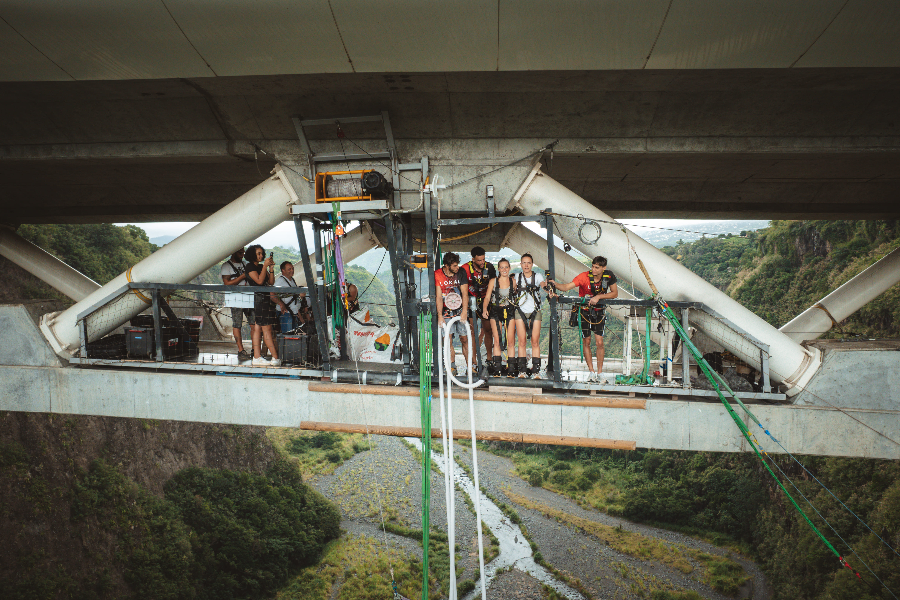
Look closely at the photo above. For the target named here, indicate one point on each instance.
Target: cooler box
(297, 349)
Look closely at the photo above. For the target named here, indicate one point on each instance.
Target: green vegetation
(101, 251)
(216, 534)
(780, 271)
(317, 452)
(360, 567)
(254, 530)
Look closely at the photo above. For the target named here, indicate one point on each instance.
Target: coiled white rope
(445, 349)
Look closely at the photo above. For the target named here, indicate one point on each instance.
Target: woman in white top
(528, 316)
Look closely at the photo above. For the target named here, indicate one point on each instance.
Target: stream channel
(515, 551)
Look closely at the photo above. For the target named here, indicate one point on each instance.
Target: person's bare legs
(495, 338)
(601, 351)
(255, 338)
(487, 333)
(536, 340)
(521, 334)
(236, 331)
(588, 356)
(270, 341)
(464, 346)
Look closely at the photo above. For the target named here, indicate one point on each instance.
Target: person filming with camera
(261, 272)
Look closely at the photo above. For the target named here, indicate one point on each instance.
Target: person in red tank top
(452, 300)
(597, 284)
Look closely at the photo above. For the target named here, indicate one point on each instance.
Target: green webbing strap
(707, 370)
(425, 359)
(644, 377)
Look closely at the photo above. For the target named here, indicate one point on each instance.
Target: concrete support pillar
(45, 266)
(179, 261)
(846, 300)
(790, 363)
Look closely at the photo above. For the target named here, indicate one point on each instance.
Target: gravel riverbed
(387, 481)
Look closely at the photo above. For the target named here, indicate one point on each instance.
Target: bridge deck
(33, 379)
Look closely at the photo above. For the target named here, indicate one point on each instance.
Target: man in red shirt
(452, 300)
(598, 284)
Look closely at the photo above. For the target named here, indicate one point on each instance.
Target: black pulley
(376, 185)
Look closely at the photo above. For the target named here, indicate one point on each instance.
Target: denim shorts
(459, 329)
(238, 314)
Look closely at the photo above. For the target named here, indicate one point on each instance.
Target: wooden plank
(498, 397)
(390, 390)
(604, 402)
(562, 440)
(465, 434)
(352, 388)
(372, 429)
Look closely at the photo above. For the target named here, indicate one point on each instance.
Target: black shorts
(264, 309)
(592, 321)
(503, 315)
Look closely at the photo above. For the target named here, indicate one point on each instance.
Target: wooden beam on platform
(464, 434)
(390, 390)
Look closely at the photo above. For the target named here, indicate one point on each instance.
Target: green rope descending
(708, 372)
(425, 359)
(644, 378)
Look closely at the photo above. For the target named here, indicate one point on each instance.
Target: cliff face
(44, 548)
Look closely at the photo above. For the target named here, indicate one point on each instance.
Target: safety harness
(584, 311)
(478, 283)
(524, 287)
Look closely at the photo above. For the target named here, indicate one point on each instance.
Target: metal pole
(409, 295)
(431, 263)
(685, 355)
(312, 285)
(395, 268)
(553, 348)
(323, 292)
(157, 328)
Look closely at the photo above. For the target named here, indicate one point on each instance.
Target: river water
(515, 551)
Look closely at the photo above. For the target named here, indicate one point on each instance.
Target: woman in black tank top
(501, 293)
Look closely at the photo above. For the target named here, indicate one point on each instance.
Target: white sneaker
(592, 377)
(260, 362)
(275, 362)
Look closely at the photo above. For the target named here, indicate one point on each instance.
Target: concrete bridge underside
(717, 143)
(35, 380)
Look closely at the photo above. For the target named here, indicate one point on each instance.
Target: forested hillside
(780, 271)
(100, 507)
(777, 272)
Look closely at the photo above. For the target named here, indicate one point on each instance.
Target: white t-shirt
(292, 302)
(526, 301)
(232, 269)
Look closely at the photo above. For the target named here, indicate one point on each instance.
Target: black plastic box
(297, 349)
(140, 342)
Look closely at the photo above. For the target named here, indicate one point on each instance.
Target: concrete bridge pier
(179, 261)
(789, 363)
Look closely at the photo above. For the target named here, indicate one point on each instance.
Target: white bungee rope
(445, 349)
